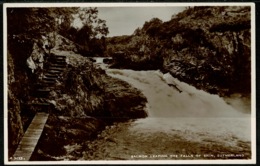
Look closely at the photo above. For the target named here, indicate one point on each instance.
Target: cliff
(83, 101)
(18, 91)
(15, 126)
(208, 47)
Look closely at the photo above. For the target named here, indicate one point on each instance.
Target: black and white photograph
(129, 83)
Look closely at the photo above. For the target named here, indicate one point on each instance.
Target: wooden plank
(59, 59)
(48, 82)
(43, 90)
(54, 71)
(50, 76)
(59, 62)
(40, 104)
(49, 79)
(30, 138)
(57, 68)
(61, 56)
(55, 65)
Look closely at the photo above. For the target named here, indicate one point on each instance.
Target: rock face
(214, 55)
(122, 101)
(36, 59)
(18, 90)
(15, 127)
(61, 132)
(208, 47)
(88, 91)
(86, 101)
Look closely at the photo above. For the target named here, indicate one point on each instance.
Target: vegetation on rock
(37, 33)
(87, 101)
(208, 47)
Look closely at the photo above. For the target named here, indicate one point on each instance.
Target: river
(182, 123)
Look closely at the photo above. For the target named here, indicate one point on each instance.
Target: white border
(253, 83)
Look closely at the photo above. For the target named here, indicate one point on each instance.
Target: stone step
(49, 79)
(59, 56)
(59, 62)
(63, 63)
(56, 68)
(43, 90)
(41, 93)
(54, 71)
(48, 82)
(40, 104)
(59, 59)
(51, 75)
(38, 86)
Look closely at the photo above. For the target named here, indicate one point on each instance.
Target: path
(56, 66)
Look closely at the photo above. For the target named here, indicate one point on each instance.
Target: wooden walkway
(33, 133)
(30, 138)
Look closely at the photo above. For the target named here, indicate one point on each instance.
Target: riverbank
(199, 46)
(86, 102)
(190, 125)
(168, 139)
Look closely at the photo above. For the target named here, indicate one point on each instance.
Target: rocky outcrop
(87, 91)
(122, 101)
(15, 126)
(207, 47)
(18, 90)
(83, 100)
(86, 102)
(36, 59)
(213, 52)
(65, 137)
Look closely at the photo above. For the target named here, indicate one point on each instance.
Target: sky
(124, 20)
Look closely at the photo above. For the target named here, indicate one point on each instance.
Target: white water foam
(198, 114)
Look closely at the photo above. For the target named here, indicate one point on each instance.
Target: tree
(31, 23)
(89, 17)
(137, 32)
(90, 35)
(152, 27)
(25, 26)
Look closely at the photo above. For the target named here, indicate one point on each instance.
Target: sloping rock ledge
(85, 102)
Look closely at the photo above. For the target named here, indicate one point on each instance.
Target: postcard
(129, 83)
